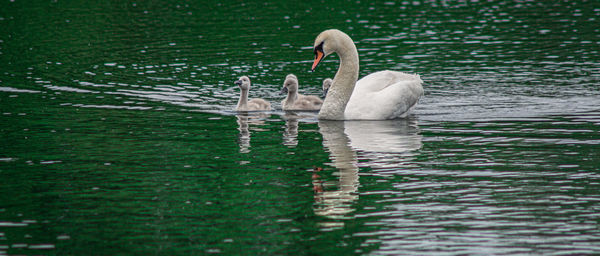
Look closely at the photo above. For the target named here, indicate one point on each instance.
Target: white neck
(344, 81)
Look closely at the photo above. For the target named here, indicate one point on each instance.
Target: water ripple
(122, 113)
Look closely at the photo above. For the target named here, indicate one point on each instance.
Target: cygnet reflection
(292, 118)
(243, 120)
(290, 134)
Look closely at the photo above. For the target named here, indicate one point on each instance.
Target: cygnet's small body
(326, 84)
(245, 104)
(295, 100)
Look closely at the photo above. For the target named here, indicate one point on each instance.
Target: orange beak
(318, 57)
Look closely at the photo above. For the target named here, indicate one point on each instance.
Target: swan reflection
(389, 136)
(337, 203)
(243, 120)
(346, 141)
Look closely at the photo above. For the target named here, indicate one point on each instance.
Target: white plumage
(377, 96)
(384, 95)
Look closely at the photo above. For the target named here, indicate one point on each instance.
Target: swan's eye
(319, 48)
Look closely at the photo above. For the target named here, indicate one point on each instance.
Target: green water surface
(118, 135)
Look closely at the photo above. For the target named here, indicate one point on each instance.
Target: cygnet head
(326, 84)
(290, 84)
(243, 83)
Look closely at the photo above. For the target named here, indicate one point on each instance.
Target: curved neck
(243, 101)
(343, 83)
(290, 98)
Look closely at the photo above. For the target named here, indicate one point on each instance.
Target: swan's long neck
(343, 83)
(243, 101)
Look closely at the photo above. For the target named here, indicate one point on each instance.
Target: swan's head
(328, 42)
(290, 84)
(326, 84)
(243, 83)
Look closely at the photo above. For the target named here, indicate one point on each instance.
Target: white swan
(295, 100)
(249, 105)
(326, 84)
(377, 96)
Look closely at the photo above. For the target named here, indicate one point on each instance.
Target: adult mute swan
(249, 105)
(377, 96)
(295, 100)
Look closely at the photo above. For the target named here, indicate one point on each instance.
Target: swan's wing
(405, 95)
(378, 81)
(384, 95)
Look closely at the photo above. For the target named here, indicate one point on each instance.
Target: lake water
(118, 135)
